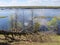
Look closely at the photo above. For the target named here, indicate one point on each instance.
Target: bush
(36, 27)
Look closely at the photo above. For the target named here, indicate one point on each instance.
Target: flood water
(25, 15)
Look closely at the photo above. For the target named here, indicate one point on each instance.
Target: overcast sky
(29, 2)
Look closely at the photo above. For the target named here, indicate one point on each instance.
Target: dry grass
(36, 39)
(55, 41)
(35, 43)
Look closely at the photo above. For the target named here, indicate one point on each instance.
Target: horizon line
(31, 7)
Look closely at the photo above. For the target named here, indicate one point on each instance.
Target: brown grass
(35, 39)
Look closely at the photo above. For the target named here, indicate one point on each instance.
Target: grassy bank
(55, 38)
(35, 39)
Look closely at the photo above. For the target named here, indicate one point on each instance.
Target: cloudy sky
(29, 2)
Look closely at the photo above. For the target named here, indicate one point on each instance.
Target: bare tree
(16, 19)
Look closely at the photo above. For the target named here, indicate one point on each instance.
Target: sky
(29, 2)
